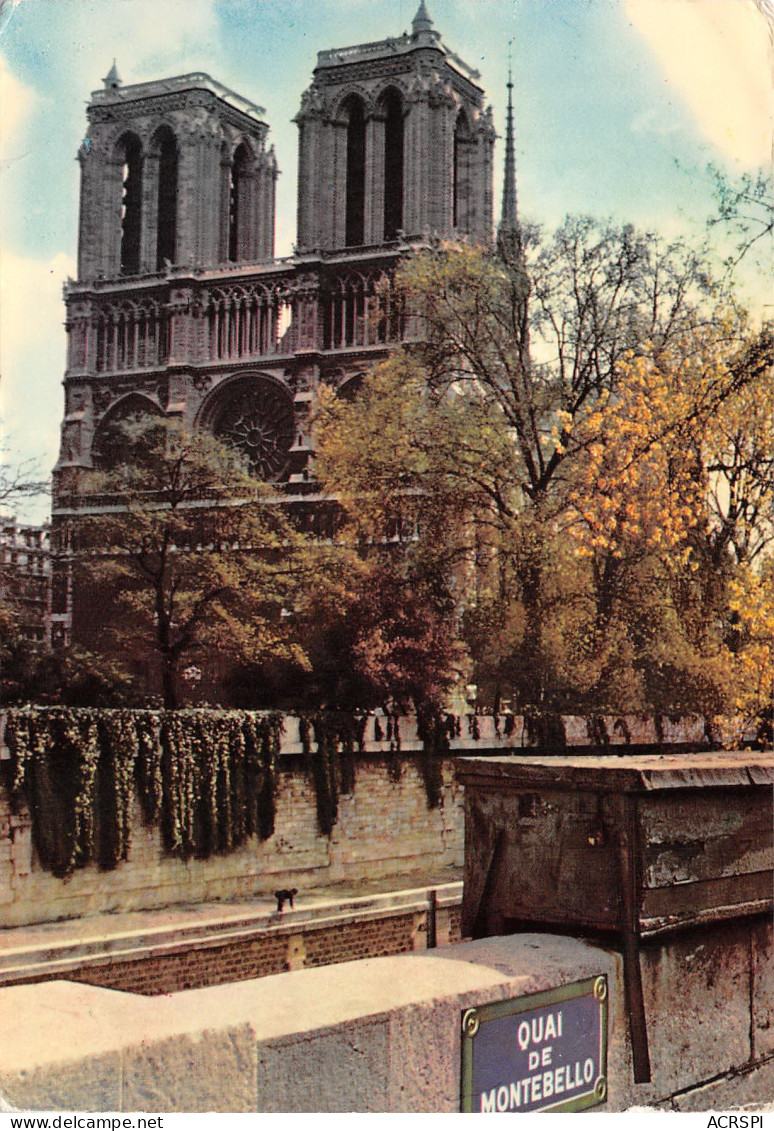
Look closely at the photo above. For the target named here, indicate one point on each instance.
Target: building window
(393, 165)
(237, 202)
(354, 231)
(461, 174)
(255, 416)
(131, 205)
(166, 228)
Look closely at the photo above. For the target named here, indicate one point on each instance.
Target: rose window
(257, 419)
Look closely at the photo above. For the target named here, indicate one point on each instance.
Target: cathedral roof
(423, 35)
(115, 93)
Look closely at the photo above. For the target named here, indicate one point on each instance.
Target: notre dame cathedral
(180, 308)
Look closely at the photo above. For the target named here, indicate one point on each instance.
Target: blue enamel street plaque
(543, 1052)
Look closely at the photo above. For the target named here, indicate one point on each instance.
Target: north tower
(394, 141)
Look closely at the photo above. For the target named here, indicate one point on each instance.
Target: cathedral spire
(112, 79)
(421, 21)
(509, 217)
(422, 30)
(508, 234)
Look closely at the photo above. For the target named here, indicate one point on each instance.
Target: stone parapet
(480, 734)
(379, 1035)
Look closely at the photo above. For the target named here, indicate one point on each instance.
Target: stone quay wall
(384, 827)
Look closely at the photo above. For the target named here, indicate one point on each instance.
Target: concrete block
(61, 1045)
(425, 1052)
(747, 1090)
(762, 937)
(697, 1003)
(58, 1022)
(331, 1071)
(92, 1084)
(212, 1071)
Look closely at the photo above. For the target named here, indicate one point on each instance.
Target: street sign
(542, 1052)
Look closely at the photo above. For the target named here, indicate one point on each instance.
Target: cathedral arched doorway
(123, 434)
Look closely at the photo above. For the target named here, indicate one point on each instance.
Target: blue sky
(619, 104)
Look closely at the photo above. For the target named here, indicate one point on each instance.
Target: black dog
(283, 896)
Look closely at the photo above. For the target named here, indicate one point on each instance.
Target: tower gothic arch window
(238, 207)
(166, 216)
(354, 227)
(130, 156)
(392, 105)
(461, 173)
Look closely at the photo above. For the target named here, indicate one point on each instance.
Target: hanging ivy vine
(434, 731)
(208, 778)
(116, 757)
(147, 767)
(331, 767)
(54, 767)
(262, 743)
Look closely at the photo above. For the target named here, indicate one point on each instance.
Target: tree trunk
(533, 672)
(169, 682)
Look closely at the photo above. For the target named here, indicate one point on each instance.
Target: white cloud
(148, 38)
(32, 354)
(656, 124)
(717, 55)
(16, 102)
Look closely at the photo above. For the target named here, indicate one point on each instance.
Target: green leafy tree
(198, 558)
(393, 643)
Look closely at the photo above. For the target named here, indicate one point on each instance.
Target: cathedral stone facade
(181, 310)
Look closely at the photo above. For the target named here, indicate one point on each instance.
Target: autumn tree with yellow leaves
(670, 491)
(563, 437)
